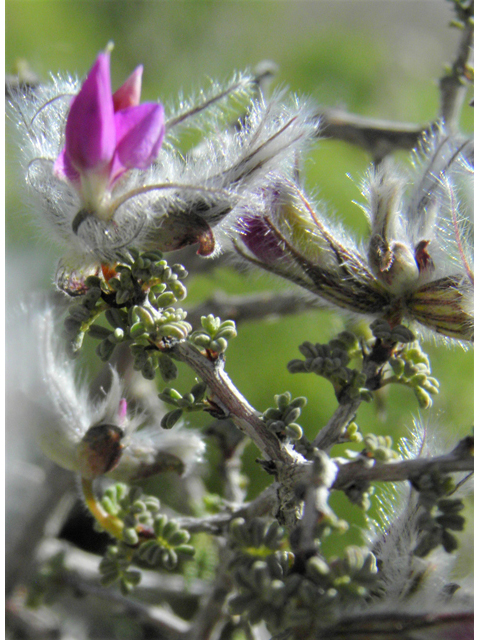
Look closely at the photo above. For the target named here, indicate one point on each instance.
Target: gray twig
(226, 399)
(453, 86)
(54, 486)
(460, 459)
(264, 504)
(359, 471)
(257, 306)
(166, 623)
(154, 586)
(378, 137)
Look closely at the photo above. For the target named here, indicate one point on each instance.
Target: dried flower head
(417, 263)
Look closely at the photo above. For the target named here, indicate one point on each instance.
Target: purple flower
(261, 240)
(106, 135)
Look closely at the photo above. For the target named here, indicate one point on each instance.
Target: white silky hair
(384, 189)
(395, 534)
(212, 179)
(427, 203)
(411, 584)
(439, 203)
(70, 412)
(228, 169)
(66, 397)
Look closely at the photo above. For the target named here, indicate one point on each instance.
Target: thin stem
(310, 518)
(211, 612)
(390, 380)
(111, 524)
(79, 573)
(378, 626)
(154, 586)
(47, 495)
(49, 102)
(116, 204)
(333, 431)
(257, 306)
(263, 504)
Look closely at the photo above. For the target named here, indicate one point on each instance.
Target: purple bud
(259, 238)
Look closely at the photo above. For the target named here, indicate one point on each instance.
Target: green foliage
(411, 367)
(214, 334)
(380, 448)
(191, 401)
(464, 10)
(115, 567)
(148, 537)
(170, 541)
(133, 508)
(439, 515)
(136, 303)
(382, 330)
(272, 584)
(305, 595)
(330, 361)
(281, 419)
(47, 583)
(256, 537)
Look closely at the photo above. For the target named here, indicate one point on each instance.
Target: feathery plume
(417, 264)
(102, 437)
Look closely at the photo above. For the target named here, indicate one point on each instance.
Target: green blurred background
(380, 59)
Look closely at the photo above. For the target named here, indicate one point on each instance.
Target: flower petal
(140, 132)
(90, 128)
(128, 95)
(260, 239)
(63, 168)
(122, 411)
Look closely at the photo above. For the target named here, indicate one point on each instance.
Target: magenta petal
(140, 133)
(90, 129)
(64, 169)
(128, 95)
(261, 240)
(122, 411)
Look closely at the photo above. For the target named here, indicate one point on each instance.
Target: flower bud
(100, 450)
